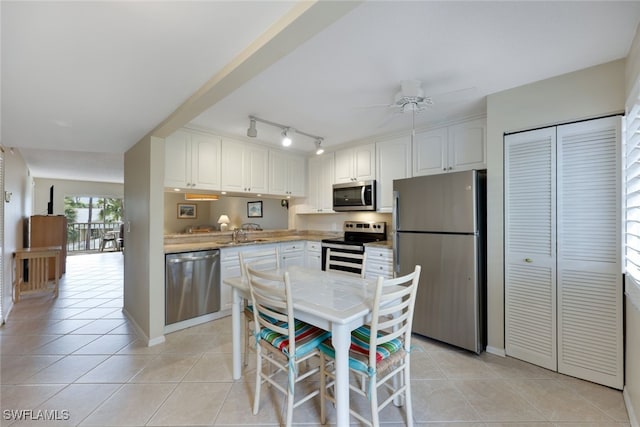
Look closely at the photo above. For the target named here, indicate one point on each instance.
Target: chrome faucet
(239, 235)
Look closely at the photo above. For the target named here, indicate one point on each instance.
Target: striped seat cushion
(359, 350)
(307, 338)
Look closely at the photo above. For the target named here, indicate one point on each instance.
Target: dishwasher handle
(193, 258)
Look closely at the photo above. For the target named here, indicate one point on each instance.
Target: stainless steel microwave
(354, 196)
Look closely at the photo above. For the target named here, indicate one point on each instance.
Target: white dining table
(332, 301)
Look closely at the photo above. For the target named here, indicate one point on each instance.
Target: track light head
(252, 131)
(286, 137)
(319, 149)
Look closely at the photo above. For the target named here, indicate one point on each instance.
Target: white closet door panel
(590, 327)
(590, 251)
(531, 320)
(530, 241)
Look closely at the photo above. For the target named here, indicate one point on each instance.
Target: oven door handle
(345, 247)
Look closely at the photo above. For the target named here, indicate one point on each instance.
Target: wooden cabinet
(563, 249)
(379, 262)
(450, 149)
(320, 190)
(287, 174)
(46, 231)
(244, 167)
(192, 161)
(393, 162)
(355, 164)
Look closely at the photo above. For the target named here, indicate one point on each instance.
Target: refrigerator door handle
(394, 231)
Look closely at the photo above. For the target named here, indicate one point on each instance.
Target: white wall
(583, 94)
(63, 188)
(18, 182)
(334, 222)
(144, 255)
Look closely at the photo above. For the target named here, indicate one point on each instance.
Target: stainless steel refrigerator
(439, 222)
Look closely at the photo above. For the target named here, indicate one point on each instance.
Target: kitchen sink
(246, 242)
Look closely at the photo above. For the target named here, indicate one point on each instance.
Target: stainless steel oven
(356, 234)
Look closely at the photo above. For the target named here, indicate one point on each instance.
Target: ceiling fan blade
(389, 119)
(454, 96)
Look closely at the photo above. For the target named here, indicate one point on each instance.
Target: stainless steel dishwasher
(192, 285)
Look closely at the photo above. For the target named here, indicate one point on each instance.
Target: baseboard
(633, 419)
(140, 333)
(497, 351)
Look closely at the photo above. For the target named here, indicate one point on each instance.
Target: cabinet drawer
(292, 247)
(314, 246)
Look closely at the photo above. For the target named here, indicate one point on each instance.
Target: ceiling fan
(411, 98)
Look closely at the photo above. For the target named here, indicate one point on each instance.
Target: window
(632, 197)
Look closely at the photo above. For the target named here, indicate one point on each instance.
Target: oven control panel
(365, 227)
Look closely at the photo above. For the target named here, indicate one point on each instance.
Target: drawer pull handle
(529, 260)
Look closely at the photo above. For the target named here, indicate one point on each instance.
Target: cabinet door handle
(529, 260)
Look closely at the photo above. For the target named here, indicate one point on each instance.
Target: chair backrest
(270, 256)
(272, 299)
(346, 263)
(393, 305)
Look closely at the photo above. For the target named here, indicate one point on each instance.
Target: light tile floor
(77, 358)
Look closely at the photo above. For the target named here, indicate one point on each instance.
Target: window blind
(632, 199)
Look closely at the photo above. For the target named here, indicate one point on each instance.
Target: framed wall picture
(254, 209)
(187, 210)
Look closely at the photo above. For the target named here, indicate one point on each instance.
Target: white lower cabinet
(292, 253)
(314, 255)
(230, 267)
(379, 262)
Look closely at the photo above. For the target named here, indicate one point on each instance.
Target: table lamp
(223, 221)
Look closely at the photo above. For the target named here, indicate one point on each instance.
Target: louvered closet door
(590, 340)
(530, 241)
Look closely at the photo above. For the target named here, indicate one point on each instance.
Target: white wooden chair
(380, 351)
(282, 341)
(269, 259)
(339, 261)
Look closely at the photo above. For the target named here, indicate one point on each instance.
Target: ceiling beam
(302, 22)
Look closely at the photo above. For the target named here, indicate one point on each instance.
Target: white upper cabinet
(287, 174)
(450, 149)
(320, 192)
(468, 145)
(393, 162)
(192, 161)
(355, 164)
(244, 167)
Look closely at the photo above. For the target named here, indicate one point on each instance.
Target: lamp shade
(223, 221)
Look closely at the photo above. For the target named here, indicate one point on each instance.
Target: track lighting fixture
(287, 133)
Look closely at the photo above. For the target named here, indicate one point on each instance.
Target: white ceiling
(83, 82)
